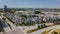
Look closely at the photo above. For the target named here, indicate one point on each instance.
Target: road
(48, 28)
(15, 29)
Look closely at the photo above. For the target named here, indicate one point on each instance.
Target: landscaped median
(33, 30)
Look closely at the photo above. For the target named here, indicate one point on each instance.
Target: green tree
(37, 12)
(39, 27)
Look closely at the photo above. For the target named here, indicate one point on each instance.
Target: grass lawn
(57, 31)
(50, 24)
(32, 30)
(46, 32)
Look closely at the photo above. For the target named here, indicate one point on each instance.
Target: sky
(30, 3)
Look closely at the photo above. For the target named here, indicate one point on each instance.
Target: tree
(37, 12)
(44, 25)
(39, 27)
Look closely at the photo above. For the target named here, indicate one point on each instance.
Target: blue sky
(30, 3)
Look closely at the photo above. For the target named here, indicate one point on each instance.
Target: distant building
(5, 8)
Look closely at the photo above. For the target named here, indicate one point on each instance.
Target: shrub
(55, 32)
(41, 26)
(44, 25)
(3, 19)
(9, 25)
